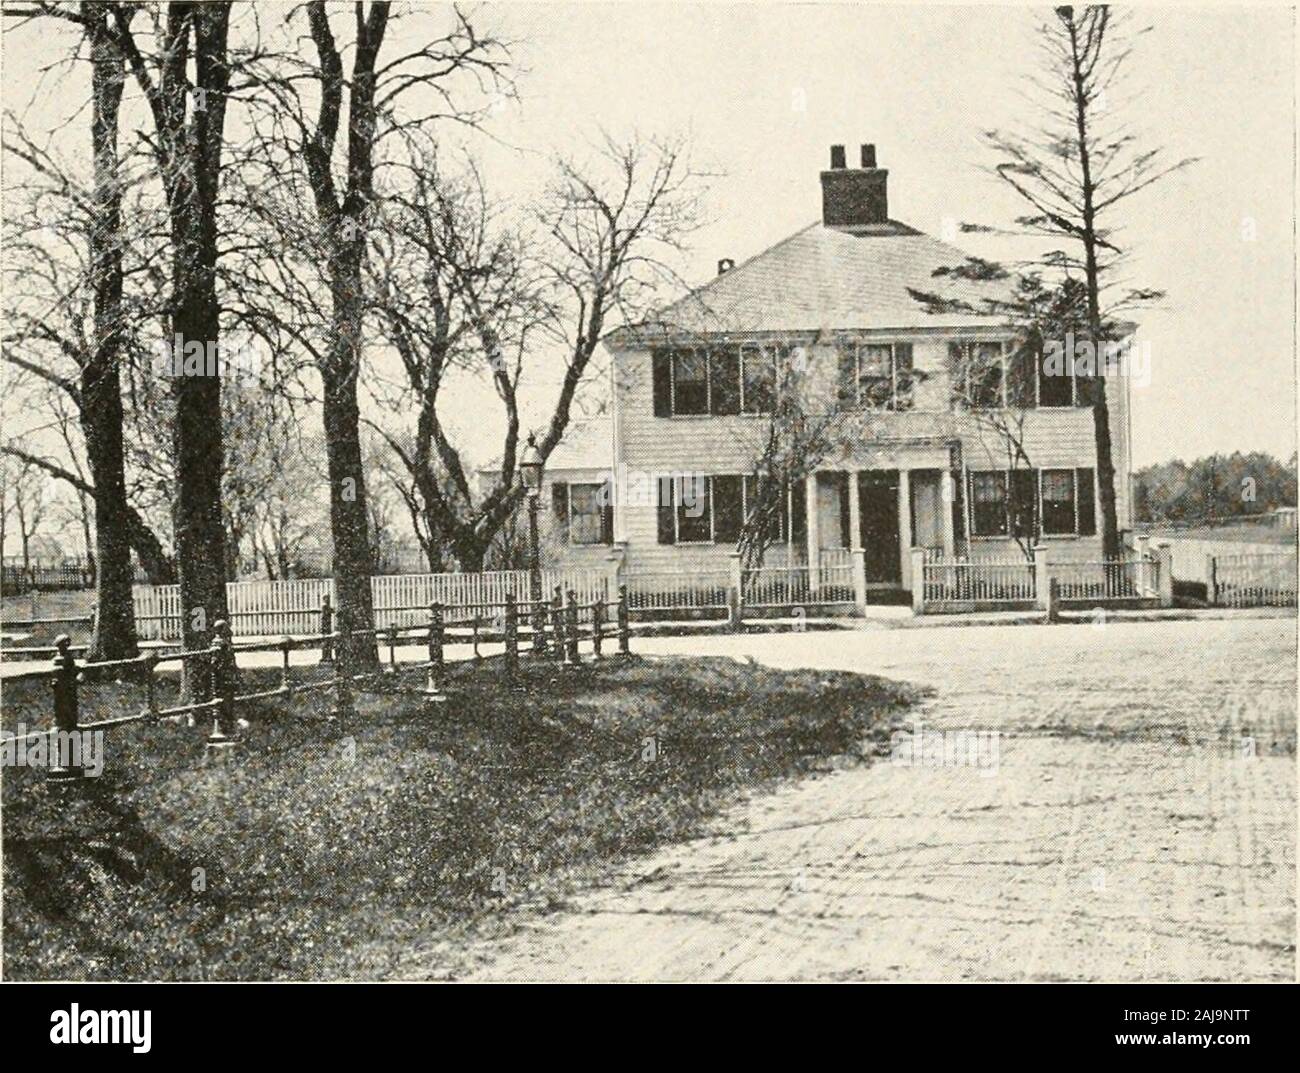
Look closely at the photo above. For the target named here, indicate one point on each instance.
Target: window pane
(1058, 501)
(724, 381)
(586, 506)
(693, 520)
(875, 375)
(726, 509)
(986, 375)
(989, 504)
(759, 368)
(690, 382)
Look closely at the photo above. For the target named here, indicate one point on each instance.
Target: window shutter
(560, 508)
(848, 388)
(903, 375)
(662, 374)
(1086, 498)
(724, 381)
(607, 515)
(957, 375)
(1024, 503)
(798, 515)
(958, 508)
(727, 509)
(667, 532)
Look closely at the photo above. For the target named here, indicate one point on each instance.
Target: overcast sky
(763, 90)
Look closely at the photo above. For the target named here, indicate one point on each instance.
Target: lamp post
(530, 469)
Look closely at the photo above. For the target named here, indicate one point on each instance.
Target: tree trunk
(100, 388)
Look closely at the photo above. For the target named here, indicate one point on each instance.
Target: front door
(878, 494)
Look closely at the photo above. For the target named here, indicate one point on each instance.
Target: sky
(762, 90)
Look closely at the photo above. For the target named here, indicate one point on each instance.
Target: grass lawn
(329, 850)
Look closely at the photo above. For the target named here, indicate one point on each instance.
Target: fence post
(1053, 600)
(392, 649)
(1165, 573)
(735, 594)
(512, 640)
(1211, 580)
(151, 686)
(571, 628)
(326, 628)
(558, 646)
(222, 740)
(286, 646)
(624, 630)
(477, 655)
(918, 577)
(1144, 572)
(1042, 577)
(433, 682)
(597, 622)
(64, 686)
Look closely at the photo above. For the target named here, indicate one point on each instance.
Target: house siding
(648, 446)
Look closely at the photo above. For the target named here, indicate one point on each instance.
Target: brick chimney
(854, 197)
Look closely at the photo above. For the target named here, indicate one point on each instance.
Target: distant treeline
(1213, 488)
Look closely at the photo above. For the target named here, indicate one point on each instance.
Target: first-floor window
(584, 512)
(694, 509)
(988, 503)
(1058, 502)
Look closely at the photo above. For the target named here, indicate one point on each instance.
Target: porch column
(814, 531)
(855, 510)
(905, 525)
(947, 497)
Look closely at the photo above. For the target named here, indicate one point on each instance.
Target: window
(777, 507)
(722, 381)
(876, 376)
(978, 373)
(988, 494)
(758, 373)
(696, 509)
(584, 513)
(690, 382)
(1059, 515)
(587, 503)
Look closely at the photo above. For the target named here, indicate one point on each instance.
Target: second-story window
(723, 381)
(690, 382)
(876, 376)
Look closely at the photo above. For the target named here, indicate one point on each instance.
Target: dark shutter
(1024, 504)
(728, 513)
(903, 376)
(664, 498)
(607, 514)
(798, 515)
(958, 509)
(724, 381)
(848, 388)
(957, 374)
(662, 371)
(1086, 498)
(560, 508)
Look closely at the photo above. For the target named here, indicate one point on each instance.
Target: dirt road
(1133, 819)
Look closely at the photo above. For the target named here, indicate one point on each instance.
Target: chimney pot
(725, 265)
(837, 157)
(868, 156)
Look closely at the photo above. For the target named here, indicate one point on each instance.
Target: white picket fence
(958, 581)
(288, 608)
(1254, 580)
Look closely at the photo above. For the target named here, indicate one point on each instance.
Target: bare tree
(499, 301)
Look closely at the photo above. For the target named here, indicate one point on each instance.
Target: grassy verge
(328, 851)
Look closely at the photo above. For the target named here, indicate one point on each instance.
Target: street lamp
(530, 469)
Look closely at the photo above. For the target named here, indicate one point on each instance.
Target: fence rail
(959, 581)
(562, 626)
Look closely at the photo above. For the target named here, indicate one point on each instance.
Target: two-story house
(914, 464)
